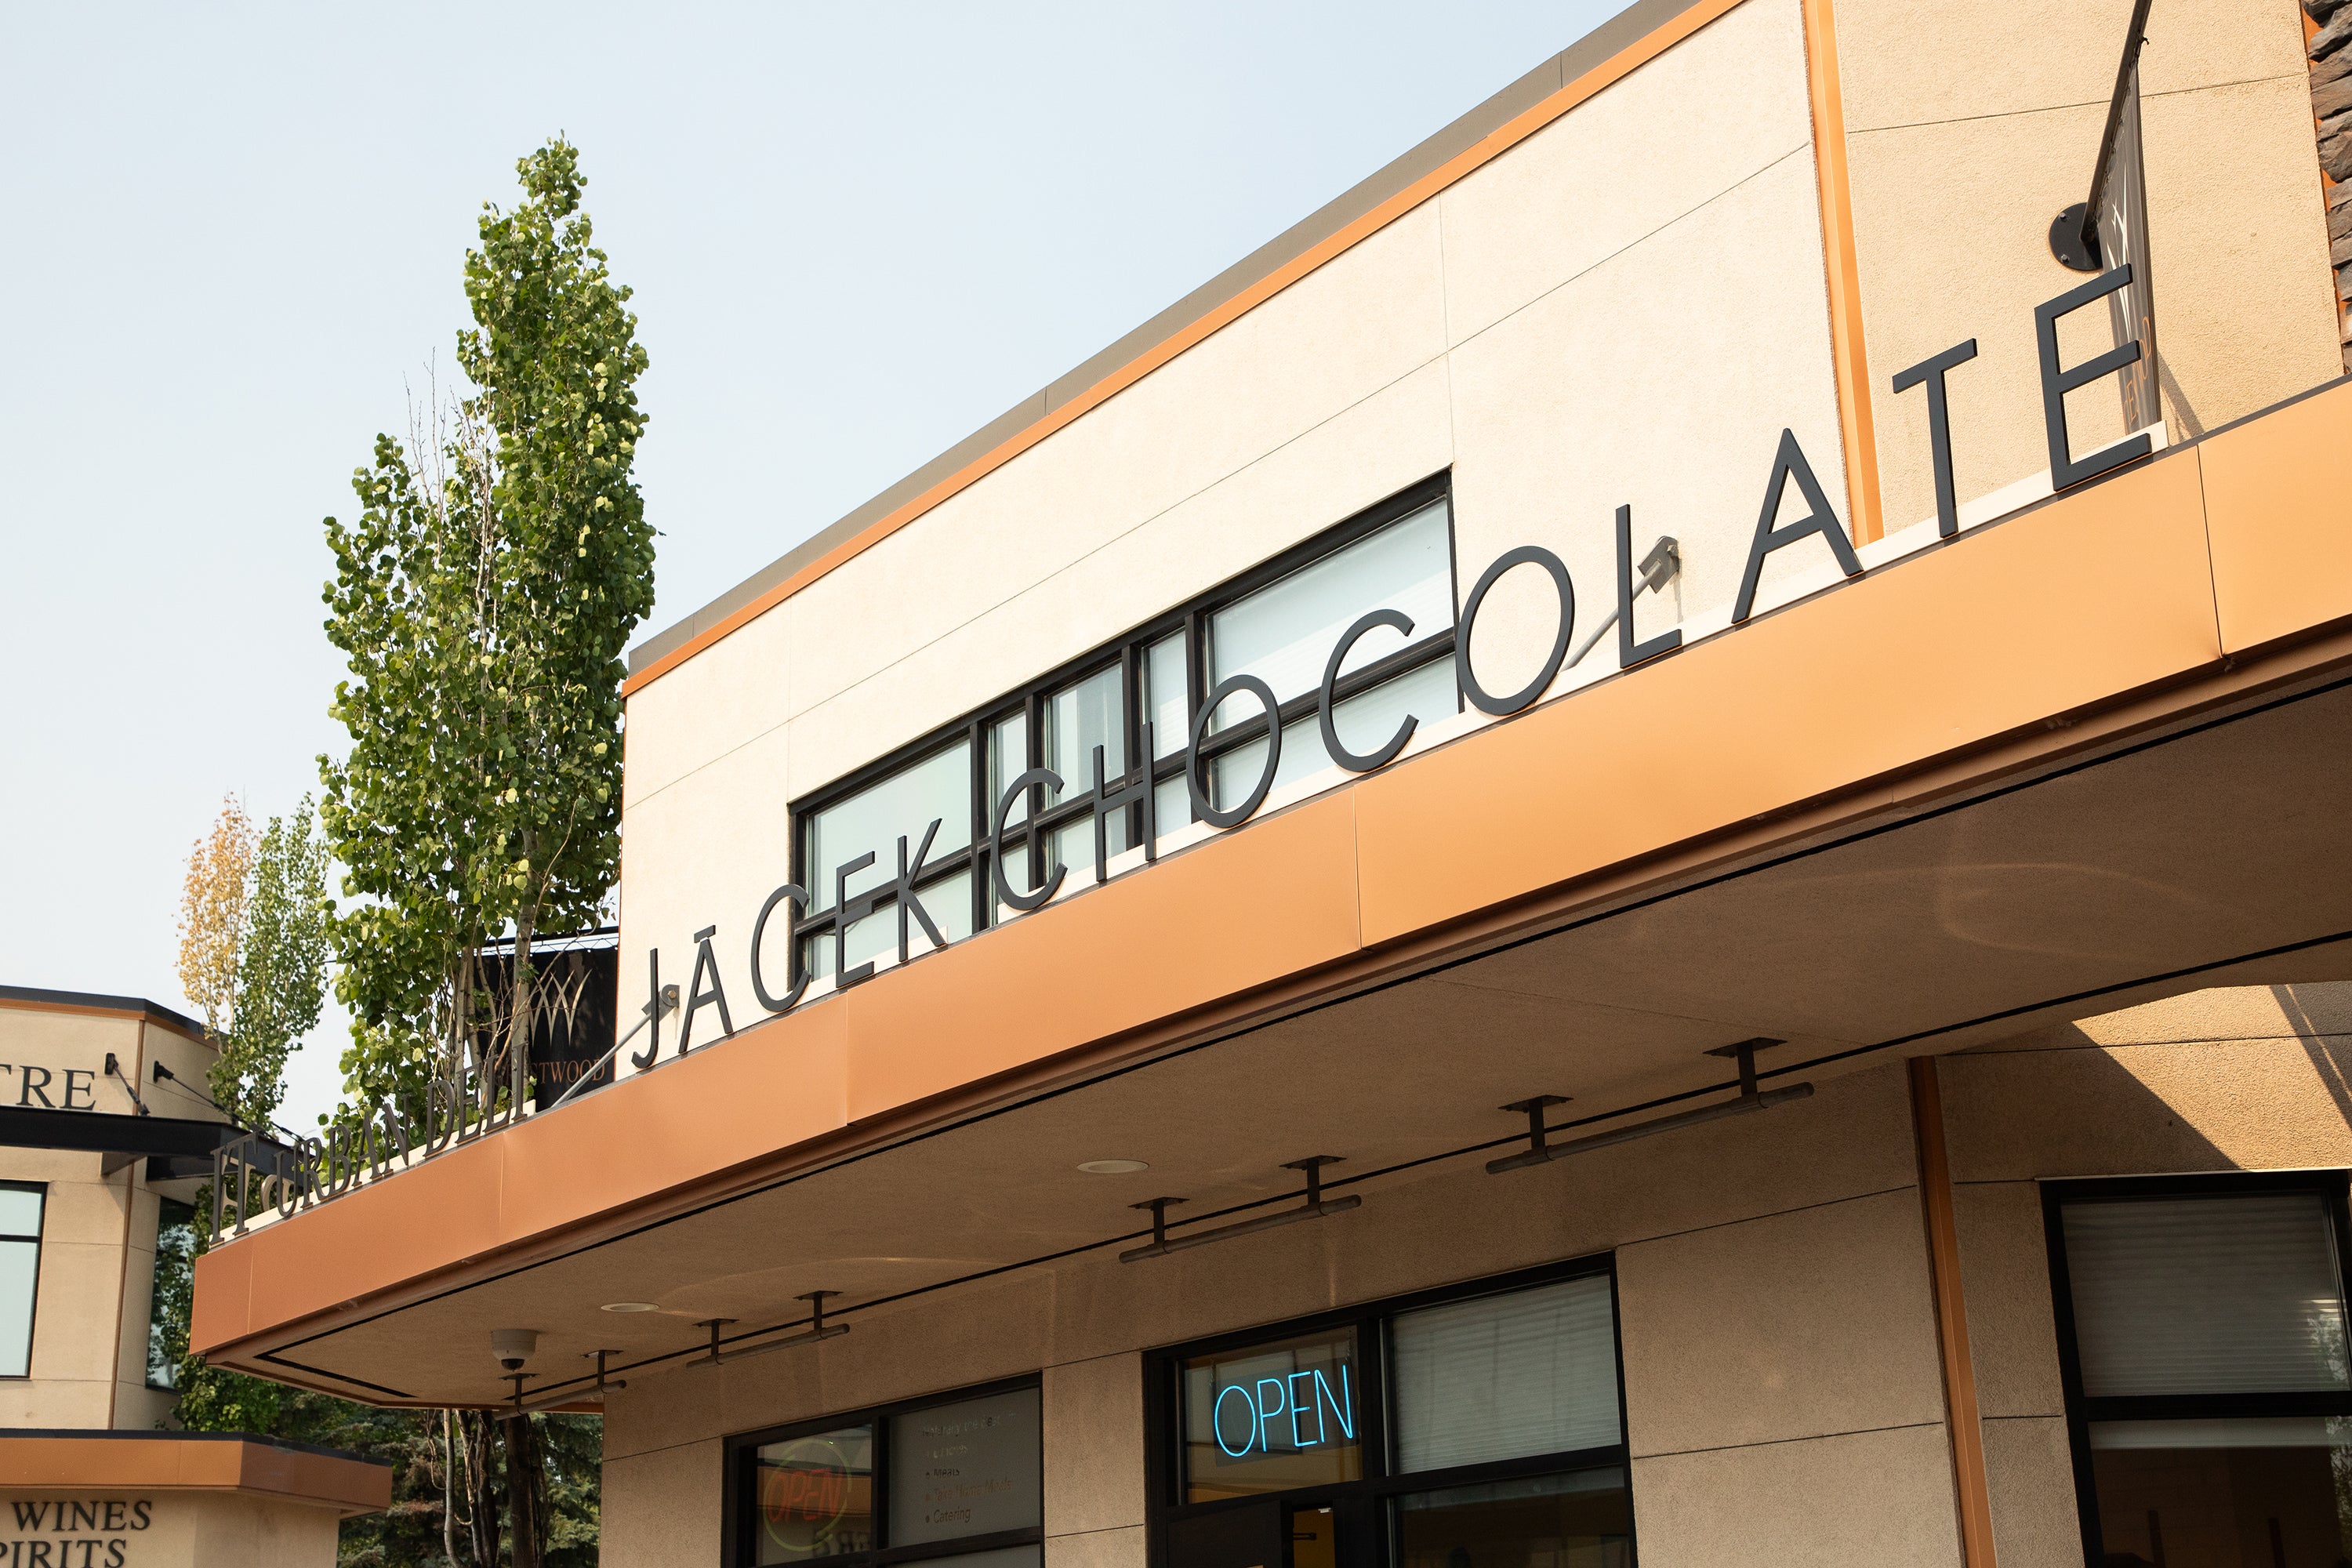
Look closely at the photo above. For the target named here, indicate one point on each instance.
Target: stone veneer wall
(2330, 33)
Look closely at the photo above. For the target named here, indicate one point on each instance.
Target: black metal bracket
(1535, 1106)
(818, 1328)
(1750, 1098)
(114, 1070)
(605, 1385)
(1744, 1053)
(1316, 1207)
(2075, 233)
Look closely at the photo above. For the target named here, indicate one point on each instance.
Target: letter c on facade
(798, 897)
(1347, 759)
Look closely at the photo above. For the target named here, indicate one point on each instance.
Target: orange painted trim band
(1972, 1492)
(1844, 273)
(1485, 150)
(169, 1462)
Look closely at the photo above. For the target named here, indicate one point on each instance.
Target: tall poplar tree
(500, 560)
(484, 598)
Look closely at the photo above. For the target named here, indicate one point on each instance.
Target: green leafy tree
(281, 968)
(484, 598)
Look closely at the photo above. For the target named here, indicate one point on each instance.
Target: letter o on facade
(1354, 763)
(797, 896)
(1480, 699)
(1195, 779)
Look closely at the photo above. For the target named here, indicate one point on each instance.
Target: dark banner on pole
(2119, 208)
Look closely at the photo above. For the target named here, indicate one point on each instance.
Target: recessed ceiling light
(1113, 1167)
(631, 1307)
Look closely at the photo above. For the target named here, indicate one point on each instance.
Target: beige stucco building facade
(106, 1133)
(1687, 1037)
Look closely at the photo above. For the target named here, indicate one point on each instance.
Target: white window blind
(2206, 1295)
(1533, 1372)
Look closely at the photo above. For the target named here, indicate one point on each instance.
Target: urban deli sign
(460, 1105)
(1789, 465)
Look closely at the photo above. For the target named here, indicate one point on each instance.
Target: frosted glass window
(1533, 1372)
(1078, 718)
(973, 1467)
(1283, 633)
(1166, 701)
(874, 818)
(2226, 1294)
(20, 1273)
(1008, 759)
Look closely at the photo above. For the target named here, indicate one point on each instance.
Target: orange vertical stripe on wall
(1971, 1489)
(1853, 360)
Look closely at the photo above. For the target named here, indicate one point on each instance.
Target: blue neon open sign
(1305, 1408)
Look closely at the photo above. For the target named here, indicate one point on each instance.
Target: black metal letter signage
(846, 909)
(1053, 882)
(1629, 651)
(1134, 789)
(1787, 464)
(643, 1060)
(1480, 699)
(704, 959)
(2064, 470)
(1930, 372)
(793, 894)
(1196, 777)
(1396, 620)
(903, 891)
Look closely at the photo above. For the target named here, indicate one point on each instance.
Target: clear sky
(231, 240)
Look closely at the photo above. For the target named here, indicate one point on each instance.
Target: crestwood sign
(460, 1105)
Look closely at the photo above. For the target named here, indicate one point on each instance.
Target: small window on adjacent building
(173, 1296)
(2207, 1370)
(959, 1479)
(21, 1203)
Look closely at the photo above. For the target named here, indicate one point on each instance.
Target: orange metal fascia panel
(768, 1088)
(1235, 913)
(2278, 505)
(223, 1310)
(118, 1462)
(349, 1484)
(2089, 596)
(441, 1212)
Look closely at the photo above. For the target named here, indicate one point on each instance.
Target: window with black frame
(2208, 1384)
(957, 1480)
(21, 1203)
(933, 803)
(1483, 1430)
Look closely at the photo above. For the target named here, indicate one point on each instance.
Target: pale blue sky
(233, 237)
